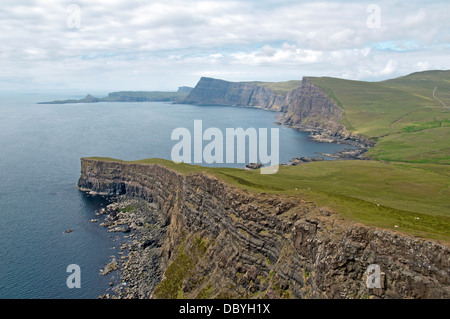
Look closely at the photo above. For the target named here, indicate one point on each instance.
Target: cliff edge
(223, 241)
(209, 91)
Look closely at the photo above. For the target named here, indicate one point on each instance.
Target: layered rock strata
(210, 91)
(222, 241)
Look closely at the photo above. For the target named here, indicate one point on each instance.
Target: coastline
(138, 262)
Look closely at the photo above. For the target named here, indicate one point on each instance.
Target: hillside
(424, 82)
(404, 116)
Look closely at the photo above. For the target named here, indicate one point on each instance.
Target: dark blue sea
(40, 150)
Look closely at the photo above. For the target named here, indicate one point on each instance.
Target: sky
(107, 45)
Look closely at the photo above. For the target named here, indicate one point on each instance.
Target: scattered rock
(137, 252)
(120, 228)
(302, 160)
(253, 166)
(112, 266)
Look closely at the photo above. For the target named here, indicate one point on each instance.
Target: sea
(40, 150)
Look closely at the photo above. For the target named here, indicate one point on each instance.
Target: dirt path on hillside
(399, 119)
(438, 99)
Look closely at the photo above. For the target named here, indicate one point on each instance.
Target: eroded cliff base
(138, 261)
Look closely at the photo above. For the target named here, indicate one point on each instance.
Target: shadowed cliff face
(218, 92)
(309, 106)
(306, 105)
(221, 241)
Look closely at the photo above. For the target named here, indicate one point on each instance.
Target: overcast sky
(95, 45)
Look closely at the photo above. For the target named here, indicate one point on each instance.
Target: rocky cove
(195, 236)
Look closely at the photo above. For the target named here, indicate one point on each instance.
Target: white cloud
(390, 67)
(422, 66)
(415, 19)
(164, 44)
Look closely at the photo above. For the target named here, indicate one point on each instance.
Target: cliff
(210, 91)
(309, 108)
(221, 241)
(306, 107)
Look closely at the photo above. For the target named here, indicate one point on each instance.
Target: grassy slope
(422, 83)
(400, 114)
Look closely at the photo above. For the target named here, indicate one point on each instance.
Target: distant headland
(131, 96)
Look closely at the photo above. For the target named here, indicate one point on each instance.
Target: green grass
(182, 267)
(425, 145)
(422, 83)
(172, 286)
(280, 88)
(127, 209)
(371, 107)
(392, 112)
(425, 126)
(370, 192)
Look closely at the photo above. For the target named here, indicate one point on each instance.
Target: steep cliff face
(221, 241)
(210, 91)
(307, 107)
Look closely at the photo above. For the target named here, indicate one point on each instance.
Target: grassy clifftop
(281, 88)
(409, 116)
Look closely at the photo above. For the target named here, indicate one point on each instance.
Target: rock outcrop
(222, 241)
(309, 106)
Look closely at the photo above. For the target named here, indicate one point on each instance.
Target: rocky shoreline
(137, 264)
(319, 135)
